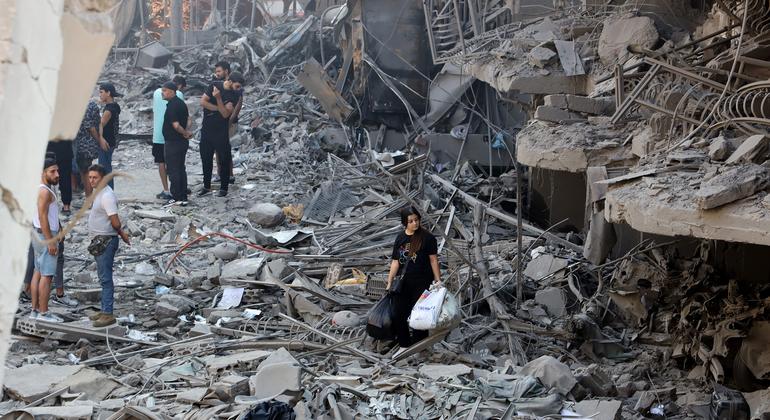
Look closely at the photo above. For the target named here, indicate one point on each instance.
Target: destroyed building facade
(596, 174)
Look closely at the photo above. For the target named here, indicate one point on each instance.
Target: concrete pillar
(35, 80)
(176, 22)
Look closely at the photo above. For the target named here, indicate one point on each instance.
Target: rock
(153, 233)
(86, 295)
(231, 386)
(554, 299)
(595, 106)
(346, 319)
(275, 269)
(242, 268)
(557, 115)
(719, 148)
(541, 56)
(551, 373)
(225, 251)
(165, 279)
(735, 184)
(617, 35)
(155, 214)
(436, 372)
(266, 214)
(753, 149)
(133, 228)
(83, 277)
(171, 306)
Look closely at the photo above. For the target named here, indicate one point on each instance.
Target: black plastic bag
(271, 410)
(380, 325)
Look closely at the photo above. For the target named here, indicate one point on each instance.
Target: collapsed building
(597, 174)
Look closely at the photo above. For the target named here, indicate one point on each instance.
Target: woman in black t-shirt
(415, 255)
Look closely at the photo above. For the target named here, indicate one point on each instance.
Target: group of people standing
(221, 103)
(69, 163)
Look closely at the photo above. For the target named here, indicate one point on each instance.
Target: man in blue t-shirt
(158, 142)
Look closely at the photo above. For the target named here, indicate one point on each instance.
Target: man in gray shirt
(105, 227)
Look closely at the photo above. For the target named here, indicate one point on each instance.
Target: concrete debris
(734, 184)
(753, 149)
(626, 288)
(619, 34)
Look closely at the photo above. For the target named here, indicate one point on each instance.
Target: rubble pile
(257, 302)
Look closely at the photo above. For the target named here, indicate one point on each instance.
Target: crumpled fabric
(271, 410)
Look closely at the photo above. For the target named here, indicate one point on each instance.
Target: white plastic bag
(450, 313)
(426, 311)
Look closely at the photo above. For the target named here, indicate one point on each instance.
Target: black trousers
(411, 289)
(176, 153)
(63, 150)
(215, 139)
(58, 278)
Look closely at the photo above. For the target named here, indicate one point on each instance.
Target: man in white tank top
(46, 224)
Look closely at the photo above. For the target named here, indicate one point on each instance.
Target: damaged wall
(34, 36)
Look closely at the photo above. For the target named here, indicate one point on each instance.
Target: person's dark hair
(416, 242)
(236, 77)
(98, 168)
(224, 64)
(179, 81)
(48, 162)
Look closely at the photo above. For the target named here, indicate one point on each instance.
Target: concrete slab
(668, 207)
(31, 382)
(572, 147)
(554, 299)
(545, 265)
(242, 268)
(436, 372)
(599, 409)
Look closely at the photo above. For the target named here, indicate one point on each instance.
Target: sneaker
(163, 195)
(64, 300)
(34, 314)
(184, 203)
(171, 202)
(104, 320)
(94, 316)
(204, 191)
(25, 297)
(49, 317)
(215, 178)
(222, 193)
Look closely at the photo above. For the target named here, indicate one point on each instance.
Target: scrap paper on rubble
(283, 237)
(231, 298)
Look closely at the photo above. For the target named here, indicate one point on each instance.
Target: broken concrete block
(230, 387)
(599, 409)
(545, 265)
(225, 251)
(436, 372)
(551, 373)
(753, 149)
(94, 385)
(153, 233)
(242, 268)
(617, 35)
(594, 106)
(719, 148)
(192, 395)
(346, 319)
(553, 114)
(164, 279)
(275, 269)
(153, 55)
(86, 295)
(541, 56)
(596, 380)
(155, 214)
(643, 142)
(216, 364)
(266, 214)
(213, 271)
(171, 306)
(554, 300)
(32, 381)
(733, 185)
(278, 375)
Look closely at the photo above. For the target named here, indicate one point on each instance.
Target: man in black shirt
(110, 125)
(218, 103)
(176, 124)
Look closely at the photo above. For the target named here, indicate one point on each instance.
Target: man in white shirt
(104, 226)
(46, 223)
(158, 141)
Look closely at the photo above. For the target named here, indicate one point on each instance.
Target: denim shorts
(45, 263)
